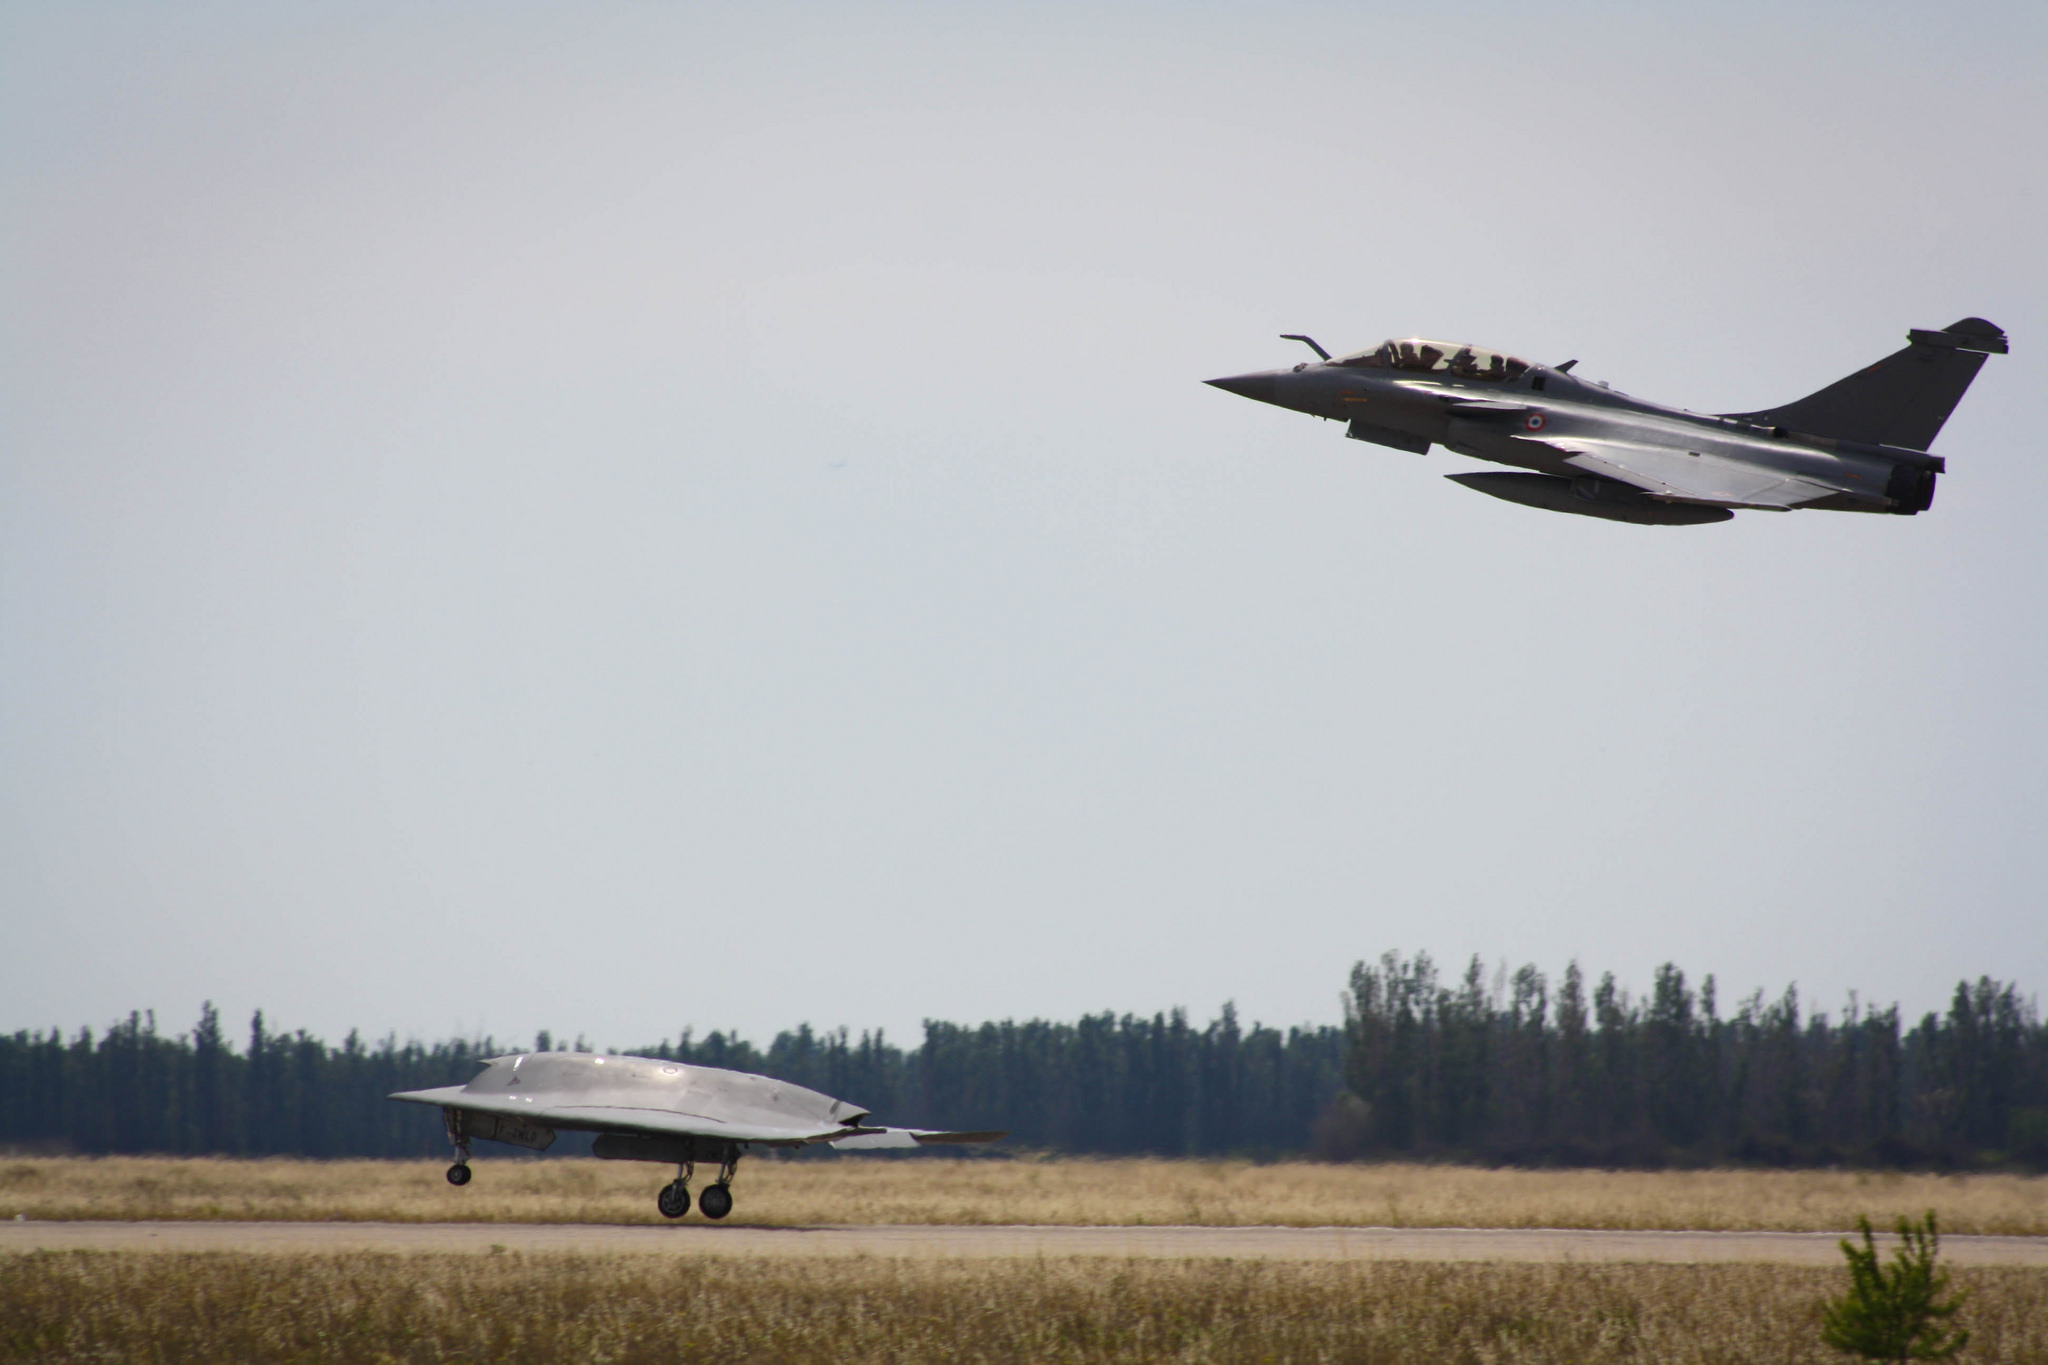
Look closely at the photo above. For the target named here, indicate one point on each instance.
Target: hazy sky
(618, 517)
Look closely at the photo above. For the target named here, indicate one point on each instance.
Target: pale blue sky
(618, 517)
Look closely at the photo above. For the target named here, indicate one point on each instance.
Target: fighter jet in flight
(647, 1109)
(1858, 445)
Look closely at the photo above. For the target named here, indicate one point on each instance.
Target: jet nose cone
(1259, 386)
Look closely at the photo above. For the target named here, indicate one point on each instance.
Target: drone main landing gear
(674, 1199)
(716, 1202)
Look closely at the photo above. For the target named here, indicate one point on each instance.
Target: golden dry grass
(512, 1308)
(1123, 1193)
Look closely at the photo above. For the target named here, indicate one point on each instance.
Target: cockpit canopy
(1437, 357)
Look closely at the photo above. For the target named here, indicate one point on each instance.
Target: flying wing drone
(1858, 445)
(647, 1109)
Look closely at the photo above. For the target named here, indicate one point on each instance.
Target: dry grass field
(511, 1308)
(1120, 1192)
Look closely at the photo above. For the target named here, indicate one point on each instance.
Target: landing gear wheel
(674, 1200)
(715, 1202)
(458, 1174)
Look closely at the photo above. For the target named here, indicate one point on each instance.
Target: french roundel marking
(1534, 421)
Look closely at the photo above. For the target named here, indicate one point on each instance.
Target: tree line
(1105, 1084)
(1508, 1071)
(1500, 1069)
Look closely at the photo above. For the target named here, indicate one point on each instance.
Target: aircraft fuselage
(1624, 458)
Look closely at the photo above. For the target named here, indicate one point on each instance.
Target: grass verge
(512, 1308)
(1106, 1192)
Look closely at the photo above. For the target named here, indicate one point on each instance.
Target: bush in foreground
(1898, 1312)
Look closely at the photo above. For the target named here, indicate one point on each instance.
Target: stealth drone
(1858, 445)
(647, 1109)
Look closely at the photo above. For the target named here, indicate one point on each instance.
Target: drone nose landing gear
(458, 1136)
(716, 1202)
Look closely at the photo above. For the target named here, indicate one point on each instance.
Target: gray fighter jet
(646, 1109)
(1858, 445)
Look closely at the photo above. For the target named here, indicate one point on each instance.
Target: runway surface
(1155, 1243)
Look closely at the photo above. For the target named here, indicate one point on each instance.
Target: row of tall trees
(132, 1089)
(1504, 1068)
(1104, 1084)
(1508, 1071)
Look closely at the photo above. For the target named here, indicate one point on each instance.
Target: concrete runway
(1155, 1243)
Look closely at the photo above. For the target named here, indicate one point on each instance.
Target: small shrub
(1897, 1313)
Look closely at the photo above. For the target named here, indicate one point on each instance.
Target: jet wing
(875, 1138)
(664, 1121)
(1679, 476)
(461, 1097)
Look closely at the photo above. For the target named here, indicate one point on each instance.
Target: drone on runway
(647, 1109)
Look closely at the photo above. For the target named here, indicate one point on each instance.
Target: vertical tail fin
(1903, 399)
